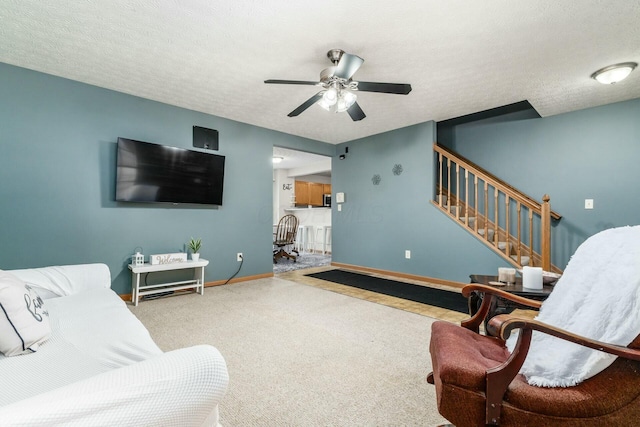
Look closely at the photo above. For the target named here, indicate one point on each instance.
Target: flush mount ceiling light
(614, 73)
(277, 159)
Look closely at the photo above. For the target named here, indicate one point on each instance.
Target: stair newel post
(486, 210)
(531, 262)
(507, 226)
(457, 191)
(440, 179)
(475, 201)
(496, 238)
(545, 222)
(449, 185)
(466, 197)
(519, 249)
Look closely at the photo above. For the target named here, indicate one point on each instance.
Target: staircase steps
(501, 216)
(490, 233)
(472, 219)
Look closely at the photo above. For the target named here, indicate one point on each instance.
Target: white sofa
(99, 365)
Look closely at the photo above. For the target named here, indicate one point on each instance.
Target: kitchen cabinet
(316, 191)
(310, 193)
(302, 192)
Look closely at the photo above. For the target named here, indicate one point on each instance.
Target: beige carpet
(303, 356)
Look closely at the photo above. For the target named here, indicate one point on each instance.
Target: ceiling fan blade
(308, 103)
(396, 88)
(356, 112)
(292, 82)
(347, 66)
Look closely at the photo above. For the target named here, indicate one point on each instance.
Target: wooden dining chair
(285, 237)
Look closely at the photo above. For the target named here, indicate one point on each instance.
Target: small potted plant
(194, 246)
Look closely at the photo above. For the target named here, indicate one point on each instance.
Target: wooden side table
(501, 305)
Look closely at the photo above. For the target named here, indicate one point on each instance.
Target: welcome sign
(168, 258)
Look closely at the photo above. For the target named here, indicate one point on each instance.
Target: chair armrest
(505, 324)
(489, 293)
(499, 378)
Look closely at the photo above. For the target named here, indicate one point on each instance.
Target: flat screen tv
(149, 172)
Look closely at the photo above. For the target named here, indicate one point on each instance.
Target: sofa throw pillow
(24, 320)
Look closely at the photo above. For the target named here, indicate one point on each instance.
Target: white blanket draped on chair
(602, 277)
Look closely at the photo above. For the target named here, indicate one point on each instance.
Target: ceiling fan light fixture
(614, 73)
(330, 97)
(336, 84)
(324, 104)
(346, 100)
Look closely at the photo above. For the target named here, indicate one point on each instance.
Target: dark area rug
(431, 296)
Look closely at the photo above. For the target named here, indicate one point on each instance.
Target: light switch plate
(588, 203)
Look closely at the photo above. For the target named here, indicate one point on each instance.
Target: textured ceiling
(460, 56)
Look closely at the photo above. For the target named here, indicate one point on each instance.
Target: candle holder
(138, 258)
(507, 275)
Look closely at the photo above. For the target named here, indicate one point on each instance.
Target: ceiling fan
(338, 87)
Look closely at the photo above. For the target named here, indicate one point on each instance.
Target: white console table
(197, 283)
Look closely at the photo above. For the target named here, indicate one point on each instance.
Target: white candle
(532, 277)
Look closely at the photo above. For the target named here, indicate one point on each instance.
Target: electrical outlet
(239, 257)
(407, 254)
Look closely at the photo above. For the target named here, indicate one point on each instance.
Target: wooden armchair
(478, 380)
(285, 236)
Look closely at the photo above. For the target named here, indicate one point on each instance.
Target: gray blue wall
(57, 176)
(591, 153)
(57, 179)
(587, 154)
(379, 222)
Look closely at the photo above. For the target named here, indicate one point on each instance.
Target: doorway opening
(302, 187)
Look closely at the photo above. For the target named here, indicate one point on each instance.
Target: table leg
(135, 280)
(474, 301)
(201, 280)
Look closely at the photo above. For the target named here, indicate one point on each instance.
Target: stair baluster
(472, 210)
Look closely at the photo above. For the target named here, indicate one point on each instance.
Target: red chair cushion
(464, 356)
(461, 357)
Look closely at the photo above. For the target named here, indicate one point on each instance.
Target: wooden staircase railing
(514, 225)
